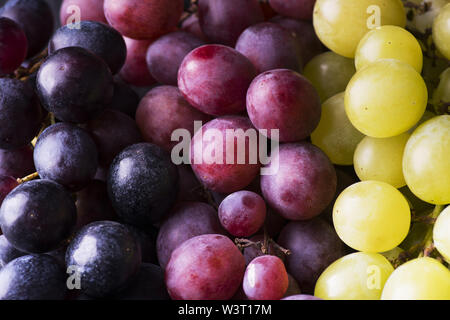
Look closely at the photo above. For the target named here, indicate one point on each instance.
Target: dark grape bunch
(224, 149)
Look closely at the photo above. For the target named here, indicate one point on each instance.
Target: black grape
(125, 99)
(17, 163)
(8, 252)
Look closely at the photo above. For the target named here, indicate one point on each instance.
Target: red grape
(284, 100)
(215, 79)
(265, 279)
(13, 44)
(223, 21)
(135, 70)
(269, 46)
(143, 19)
(298, 9)
(192, 25)
(304, 184)
(211, 157)
(90, 10)
(187, 220)
(206, 267)
(164, 56)
(242, 213)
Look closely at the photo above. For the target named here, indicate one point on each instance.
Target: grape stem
(28, 178)
(428, 246)
(264, 247)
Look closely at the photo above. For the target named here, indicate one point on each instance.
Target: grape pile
(225, 150)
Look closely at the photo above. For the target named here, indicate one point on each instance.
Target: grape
(341, 24)
(223, 21)
(426, 116)
(357, 276)
(147, 242)
(206, 267)
(269, 46)
(187, 220)
(106, 255)
(441, 236)
(422, 20)
(125, 99)
(17, 163)
(33, 277)
(35, 18)
(190, 188)
(335, 134)
(143, 19)
(37, 216)
(329, 73)
(66, 154)
(74, 84)
(8, 252)
(254, 251)
(399, 108)
(7, 184)
(135, 71)
(267, 10)
(96, 37)
(274, 223)
(148, 284)
(314, 246)
(293, 288)
(242, 213)
(265, 279)
(221, 165)
(215, 79)
(298, 9)
(425, 161)
(389, 42)
(93, 204)
(164, 110)
(441, 96)
(192, 25)
(371, 216)
(380, 159)
(303, 31)
(112, 131)
(304, 184)
(14, 46)
(284, 100)
(441, 31)
(20, 113)
(90, 10)
(165, 55)
(142, 184)
(301, 297)
(418, 279)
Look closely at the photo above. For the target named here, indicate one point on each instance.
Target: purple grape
(74, 84)
(304, 184)
(265, 279)
(242, 213)
(37, 216)
(269, 46)
(20, 113)
(283, 99)
(14, 46)
(190, 188)
(164, 110)
(215, 79)
(298, 9)
(7, 184)
(112, 131)
(165, 55)
(314, 245)
(135, 71)
(223, 21)
(8, 252)
(206, 267)
(97, 37)
(125, 99)
(66, 154)
(192, 25)
(17, 163)
(187, 220)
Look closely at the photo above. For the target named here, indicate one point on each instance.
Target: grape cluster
(217, 150)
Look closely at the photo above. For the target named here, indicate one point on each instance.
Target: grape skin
(18, 162)
(441, 236)
(8, 252)
(90, 10)
(14, 46)
(298, 9)
(135, 71)
(7, 184)
(441, 31)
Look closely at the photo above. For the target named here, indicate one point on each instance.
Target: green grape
(386, 98)
(441, 31)
(441, 96)
(389, 42)
(418, 279)
(380, 159)
(335, 134)
(441, 234)
(432, 69)
(421, 20)
(393, 255)
(329, 73)
(426, 164)
(420, 207)
(414, 241)
(426, 116)
(341, 24)
(357, 276)
(371, 216)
